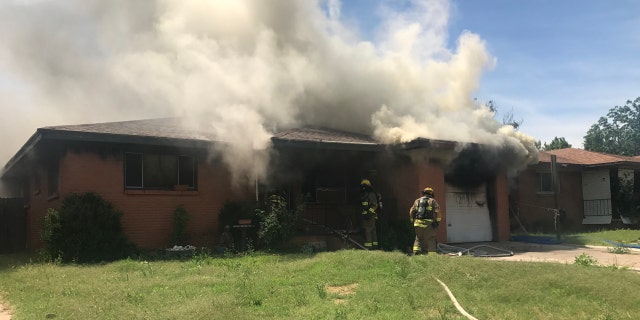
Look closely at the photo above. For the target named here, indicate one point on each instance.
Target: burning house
(147, 168)
(253, 82)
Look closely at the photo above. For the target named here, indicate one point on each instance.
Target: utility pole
(554, 182)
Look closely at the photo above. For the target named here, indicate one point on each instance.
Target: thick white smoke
(242, 67)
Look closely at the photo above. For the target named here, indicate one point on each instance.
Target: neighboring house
(593, 189)
(147, 168)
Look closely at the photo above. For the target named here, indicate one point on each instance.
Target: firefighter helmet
(365, 183)
(428, 191)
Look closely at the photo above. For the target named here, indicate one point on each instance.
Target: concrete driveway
(560, 253)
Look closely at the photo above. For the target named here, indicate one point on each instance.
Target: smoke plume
(241, 68)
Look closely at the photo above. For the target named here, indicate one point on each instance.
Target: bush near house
(86, 228)
(276, 221)
(396, 234)
(180, 236)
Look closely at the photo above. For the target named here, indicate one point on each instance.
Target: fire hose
(455, 301)
(476, 251)
(343, 235)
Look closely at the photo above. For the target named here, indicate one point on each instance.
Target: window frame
(134, 182)
(540, 186)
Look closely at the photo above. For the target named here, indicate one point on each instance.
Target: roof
(323, 135)
(586, 158)
(160, 132)
(315, 137)
(168, 128)
(175, 132)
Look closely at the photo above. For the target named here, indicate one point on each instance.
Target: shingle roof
(171, 128)
(584, 157)
(323, 135)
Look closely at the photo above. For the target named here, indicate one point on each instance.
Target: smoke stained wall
(241, 68)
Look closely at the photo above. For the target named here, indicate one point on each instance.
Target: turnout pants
(425, 241)
(370, 235)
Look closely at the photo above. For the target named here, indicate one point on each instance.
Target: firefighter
(369, 209)
(425, 216)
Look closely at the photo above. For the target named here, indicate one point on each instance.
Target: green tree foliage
(85, 229)
(557, 143)
(618, 132)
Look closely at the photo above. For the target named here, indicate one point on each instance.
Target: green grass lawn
(346, 284)
(599, 238)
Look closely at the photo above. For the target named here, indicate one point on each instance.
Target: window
(545, 182)
(158, 171)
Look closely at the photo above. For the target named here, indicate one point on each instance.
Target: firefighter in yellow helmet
(425, 215)
(369, 210)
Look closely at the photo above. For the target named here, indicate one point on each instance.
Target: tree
(618, 132)
(556, 143)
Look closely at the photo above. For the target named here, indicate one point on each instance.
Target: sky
(560, 65)
(394, 69)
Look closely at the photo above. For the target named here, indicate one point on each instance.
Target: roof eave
(422, 143)
(51, 134)
(22, 152)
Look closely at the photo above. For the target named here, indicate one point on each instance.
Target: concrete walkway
(559, 253)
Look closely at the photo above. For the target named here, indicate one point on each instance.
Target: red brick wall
(534, 207)
(147, 215)
(408, 183)
(502, 208)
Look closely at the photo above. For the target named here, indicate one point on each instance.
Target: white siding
(596, 191)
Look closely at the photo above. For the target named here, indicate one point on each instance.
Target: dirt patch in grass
(5, 311)
(341, 292)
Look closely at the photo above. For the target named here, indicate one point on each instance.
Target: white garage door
(467, 215)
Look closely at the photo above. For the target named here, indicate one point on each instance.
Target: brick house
(590, 190)
(146, 168)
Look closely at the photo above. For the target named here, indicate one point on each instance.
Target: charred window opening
(471, 168)
(159, 171)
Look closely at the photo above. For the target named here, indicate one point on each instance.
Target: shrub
(276, 221)
(180, 237)
(585, 260)
(85, 229)
(396, 234)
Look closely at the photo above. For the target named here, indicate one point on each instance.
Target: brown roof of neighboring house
(584, 157)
